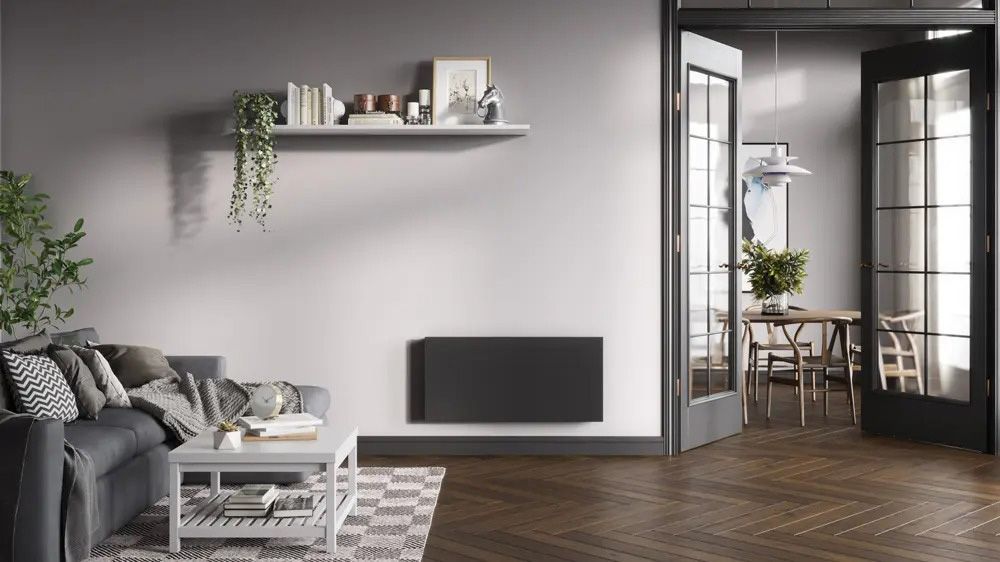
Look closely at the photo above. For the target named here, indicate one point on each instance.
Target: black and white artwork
(765, 209)
(459, 83)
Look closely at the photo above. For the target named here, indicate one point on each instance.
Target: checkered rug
(395, 507)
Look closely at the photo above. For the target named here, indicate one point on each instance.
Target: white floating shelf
(402, 130)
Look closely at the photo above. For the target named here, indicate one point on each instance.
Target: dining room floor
(776, 492)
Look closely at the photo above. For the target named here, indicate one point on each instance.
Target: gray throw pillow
(76, 337)
(37, 343)
(136, 365)
(90, 400)
(104, 376)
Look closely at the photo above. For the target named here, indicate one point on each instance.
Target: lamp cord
(776, 88)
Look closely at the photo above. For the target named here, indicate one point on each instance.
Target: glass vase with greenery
(773, 274)
(34, 265)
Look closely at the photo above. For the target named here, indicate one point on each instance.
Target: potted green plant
(35, 265)
(773, 274)
(254, 115)
(227, 436)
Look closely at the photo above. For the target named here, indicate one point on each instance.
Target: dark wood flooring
(776, 492)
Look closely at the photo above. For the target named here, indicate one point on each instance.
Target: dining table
(805, 316)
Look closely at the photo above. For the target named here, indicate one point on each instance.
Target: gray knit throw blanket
(187, 406)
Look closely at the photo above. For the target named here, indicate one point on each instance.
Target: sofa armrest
(201, 366)
(315, 400)
(36, 531)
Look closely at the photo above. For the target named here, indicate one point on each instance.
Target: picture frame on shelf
(764, 209)
(459, 82)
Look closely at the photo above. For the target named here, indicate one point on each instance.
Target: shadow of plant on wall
(191, 136)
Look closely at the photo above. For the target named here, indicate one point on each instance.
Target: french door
(925, 232)
(710, 328)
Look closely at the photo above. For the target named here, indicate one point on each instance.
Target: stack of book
(284, 427)
(253, 500)
(377, 118)
(310, 106)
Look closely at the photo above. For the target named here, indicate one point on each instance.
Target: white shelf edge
(400, 130)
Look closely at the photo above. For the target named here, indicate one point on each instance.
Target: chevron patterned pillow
(39, 387)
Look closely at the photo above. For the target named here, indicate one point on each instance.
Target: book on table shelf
(280, 421)
(252, 500)
(294, 506)
(280, 431)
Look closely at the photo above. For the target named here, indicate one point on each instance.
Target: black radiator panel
(508, 380)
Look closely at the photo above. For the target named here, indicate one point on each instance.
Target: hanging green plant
(255, 114)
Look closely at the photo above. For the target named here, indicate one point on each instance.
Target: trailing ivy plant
(773, 272)
(254, 115)
(34, 265)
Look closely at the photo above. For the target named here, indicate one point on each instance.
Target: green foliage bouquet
(773, 272)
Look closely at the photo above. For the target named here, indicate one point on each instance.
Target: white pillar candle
(413, 109)
(425, 97)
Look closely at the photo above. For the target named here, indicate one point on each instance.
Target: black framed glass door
(923, 271)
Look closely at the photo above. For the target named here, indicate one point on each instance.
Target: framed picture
(459, 82)
(765, 209)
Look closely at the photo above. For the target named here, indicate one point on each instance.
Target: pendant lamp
(775, 170)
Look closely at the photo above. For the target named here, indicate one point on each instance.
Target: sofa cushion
(136, 365)
(146, 431)
(77, 337)
(31, 344)
(104, 377)
(90, 400)
(108, 447)
(39, 387)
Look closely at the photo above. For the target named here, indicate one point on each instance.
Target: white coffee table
(332, 446)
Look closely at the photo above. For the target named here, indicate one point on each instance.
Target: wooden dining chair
(900, 359)
(755, 361)
(800, 362)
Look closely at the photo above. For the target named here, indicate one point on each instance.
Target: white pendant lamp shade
(775, 170)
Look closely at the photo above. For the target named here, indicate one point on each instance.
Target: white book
(276, 431)
(248, 502)
(246, 512)
(293, 104)
(282, 420)
(301, 506)
(314, 96)
(327, 105)
(304, 105)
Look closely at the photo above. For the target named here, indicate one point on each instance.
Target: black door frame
(796, 19)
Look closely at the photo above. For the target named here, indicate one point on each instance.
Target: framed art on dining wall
(459, 82)
(764, 209)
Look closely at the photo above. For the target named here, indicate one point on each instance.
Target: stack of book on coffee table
(283, 427)
(252, 500)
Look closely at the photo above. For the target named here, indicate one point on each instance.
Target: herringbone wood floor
(777, 492)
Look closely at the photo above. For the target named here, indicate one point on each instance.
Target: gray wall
(115, 107)
(820, 117)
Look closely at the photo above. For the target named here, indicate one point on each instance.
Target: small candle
(425, 97)
(413, 109)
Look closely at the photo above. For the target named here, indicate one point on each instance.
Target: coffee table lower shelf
(207, 520)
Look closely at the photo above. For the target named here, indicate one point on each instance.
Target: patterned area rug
(395, 507)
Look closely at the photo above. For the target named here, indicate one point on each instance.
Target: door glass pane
(718, 302)
(949, 297)
(698, 172)
(949, 169)
(901, 361)
(698, 367)
(721, 378)
(948, 367)
(719, 104)
(718, 239)
(698, 304)
(901, 110)
(947, 3)
(698, 104)
(698, 239)
(949, 231)
(901, 301)
(718, 162)
(901, 174)
(948, 104)
(901, 239)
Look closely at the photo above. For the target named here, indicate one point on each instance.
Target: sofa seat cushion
(108, 447)
(147, 432)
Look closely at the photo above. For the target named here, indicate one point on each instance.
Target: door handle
(725, 266)
(866, 265)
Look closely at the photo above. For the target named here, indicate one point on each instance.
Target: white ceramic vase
(228, 440)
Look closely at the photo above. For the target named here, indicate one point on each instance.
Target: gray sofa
(129, 449)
